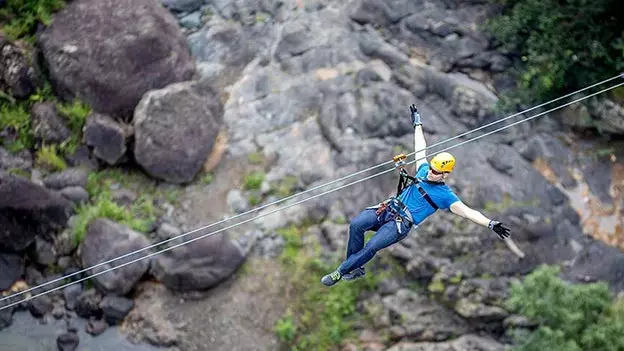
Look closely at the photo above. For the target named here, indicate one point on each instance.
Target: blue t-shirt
(441, 194)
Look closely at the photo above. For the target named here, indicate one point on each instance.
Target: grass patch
(20, 18)
(139, 215)
(76, 113)
(286, 186)
(253, 180)
(18, 172)
(256, 158)
(509, 203)
(48, 158)
(104, 207)
(318, 318)
(16, 118)
(206, 178)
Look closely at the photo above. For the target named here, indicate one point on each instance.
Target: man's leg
(366, 220)
(385, 236)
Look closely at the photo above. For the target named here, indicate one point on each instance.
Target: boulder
(175, 130)
(28, 210)
(106, 240)
(109, 53)
(47, 125)
(107, 137)
(17, 76)
(199, 266)
(69, 177)
(421, 319)
(468, 342)
(8, 161)
(11, 269)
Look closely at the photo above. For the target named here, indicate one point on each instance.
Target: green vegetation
(560, 46)
(318, 318)
(75, 114)
(508, 203)
(285, 187)
(17, 119)
(253, 180)
(570, 316)
(139, 215)
(20, 18)
(48, 158)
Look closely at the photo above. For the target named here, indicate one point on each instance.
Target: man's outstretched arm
(420, 144)
(460, 209)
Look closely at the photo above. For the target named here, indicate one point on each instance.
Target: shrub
(570, 317)
(559, 46)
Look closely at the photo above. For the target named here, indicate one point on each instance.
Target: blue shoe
(355, 274)
(332, 278)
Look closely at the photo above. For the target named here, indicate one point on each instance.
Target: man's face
(435, 176)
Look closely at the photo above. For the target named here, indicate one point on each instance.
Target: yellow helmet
(443, 162)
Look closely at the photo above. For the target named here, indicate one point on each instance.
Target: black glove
(415, 116)
(502, 231)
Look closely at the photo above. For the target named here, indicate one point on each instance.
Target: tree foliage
(560, 45)
(570, 316)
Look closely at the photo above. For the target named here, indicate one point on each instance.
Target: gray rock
(200, 266)
(224, 43)
(96, 326)
(183, 5)
(115, 308)
(21, 161)
(373, 46)
(423, 320)
(116, 77)
(17, 76)
(106, 240)
(71, 294)
(43, 252)
(166, 231)
(40, 306)
(190, 134)
(64, 243)
(67, 178)
(47, 126)
(28, 210)
(106, 136)
(11, 269)
(75, 194)
(67, 342)
(191, 21)
(468, 342)
(88, 304)
(6, 317)
(237, 202)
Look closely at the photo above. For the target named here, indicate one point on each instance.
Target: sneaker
(355, 274)
(332, 278)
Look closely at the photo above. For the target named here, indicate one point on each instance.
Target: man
(394, 218)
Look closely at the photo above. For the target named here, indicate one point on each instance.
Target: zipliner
(393, 219)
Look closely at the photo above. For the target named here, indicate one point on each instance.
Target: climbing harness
(406, 180)
(108, 262)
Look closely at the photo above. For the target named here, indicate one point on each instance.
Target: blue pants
(387, 233)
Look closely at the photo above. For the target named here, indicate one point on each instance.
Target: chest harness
(396, 206)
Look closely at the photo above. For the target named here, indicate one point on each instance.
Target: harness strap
(403, 180)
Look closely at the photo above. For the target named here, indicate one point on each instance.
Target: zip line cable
(300, 193)
(302, 201)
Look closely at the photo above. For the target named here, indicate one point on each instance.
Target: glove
(415, 116)
(502, 231)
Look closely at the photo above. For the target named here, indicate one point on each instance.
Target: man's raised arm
(420, 144)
